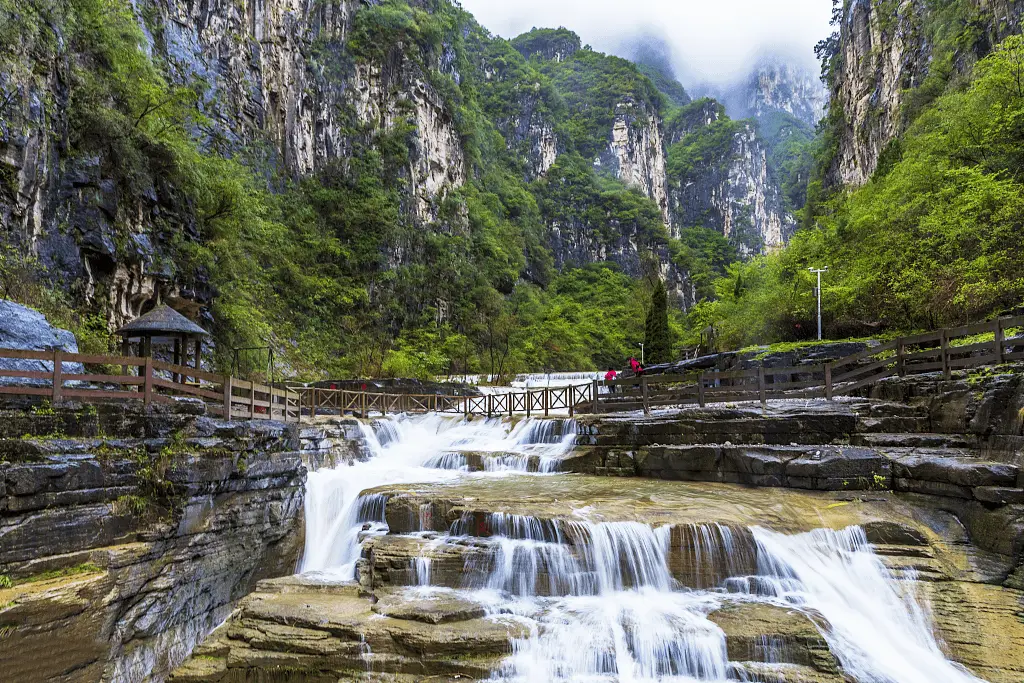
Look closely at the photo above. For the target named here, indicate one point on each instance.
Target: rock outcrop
(277, 89)
(124, 551)
(23, 329)
(776, 86)
(636, 153)
(733, 189)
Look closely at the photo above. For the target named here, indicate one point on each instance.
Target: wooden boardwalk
(151, 381)
(147, 381)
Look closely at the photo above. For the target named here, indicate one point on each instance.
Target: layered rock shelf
(125, 537)
(385, 625)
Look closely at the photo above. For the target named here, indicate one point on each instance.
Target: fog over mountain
(711, 44)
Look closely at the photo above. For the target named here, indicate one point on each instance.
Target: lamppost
(818, 272)
(642, 353)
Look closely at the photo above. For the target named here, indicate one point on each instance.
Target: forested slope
(916, 203)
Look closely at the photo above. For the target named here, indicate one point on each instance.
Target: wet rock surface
(938, 503)
(304, 630)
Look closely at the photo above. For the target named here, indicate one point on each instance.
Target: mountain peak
(555, 44)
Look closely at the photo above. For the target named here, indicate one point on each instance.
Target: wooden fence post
(226, 386)
(646, 398)
(362, 401)
(147, 391)
(58, 371)
(828, 380)
(944, 342)
(700, 390)
(593, 397)
(490, 405)
(546, 400)
(760, 386)
(998, 340)
(901, 361)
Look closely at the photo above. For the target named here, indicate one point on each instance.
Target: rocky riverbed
(473, 565)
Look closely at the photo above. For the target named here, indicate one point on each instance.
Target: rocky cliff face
(730, 188)
(277, 88)
(779, 86)
(636, 153)
(888, 49)
(125, 551)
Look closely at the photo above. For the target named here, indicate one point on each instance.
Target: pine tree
(657, 337)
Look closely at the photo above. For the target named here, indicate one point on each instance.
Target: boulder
(23, 329)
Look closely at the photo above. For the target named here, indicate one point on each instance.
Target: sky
(714, 41)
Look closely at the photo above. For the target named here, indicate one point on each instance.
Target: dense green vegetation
(335, 273)
(657, 336)
(935, 238)
(332, 269)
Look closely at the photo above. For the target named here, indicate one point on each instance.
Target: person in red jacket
(635, 366)
(608, 377)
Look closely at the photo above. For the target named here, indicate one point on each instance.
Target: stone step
(949, 472)
(486, 461)
(914, 440)
(889, 424)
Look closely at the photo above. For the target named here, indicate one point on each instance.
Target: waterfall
(627, 601)
(874, 623)
(421, 449)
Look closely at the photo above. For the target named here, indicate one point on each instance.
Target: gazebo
(164, 323)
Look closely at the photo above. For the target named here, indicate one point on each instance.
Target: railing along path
(529, 402)
(152, 381)
(928, 352)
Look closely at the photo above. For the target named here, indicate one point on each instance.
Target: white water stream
(599, 599)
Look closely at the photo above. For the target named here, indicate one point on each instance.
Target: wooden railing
(929, 352)
(528, 402)
(149, 381)
(152, 381)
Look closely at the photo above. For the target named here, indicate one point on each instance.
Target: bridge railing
(542, 401)
(147, 381)
(945, 350)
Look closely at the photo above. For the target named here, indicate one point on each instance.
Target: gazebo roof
(162, 320)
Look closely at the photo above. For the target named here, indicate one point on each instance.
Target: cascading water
(411, 450)
(607, 601)
(873, 623)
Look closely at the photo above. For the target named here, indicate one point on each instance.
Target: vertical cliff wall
(891, 58)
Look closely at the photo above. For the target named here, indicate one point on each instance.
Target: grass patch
(786, 347)
(85, 568)
(129, 504)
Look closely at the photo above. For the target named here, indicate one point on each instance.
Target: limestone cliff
(884, 52)
(124, 551)
(636, 153)
(720, 178)
(776, 85)
(277, 88)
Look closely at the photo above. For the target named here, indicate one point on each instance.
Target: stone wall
(127, 536)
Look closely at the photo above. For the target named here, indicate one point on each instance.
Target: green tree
(657, 337)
